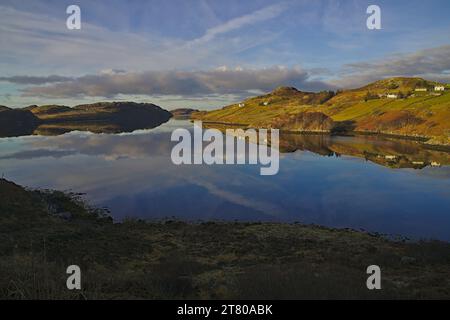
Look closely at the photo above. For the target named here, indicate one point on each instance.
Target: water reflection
(24, 127)
(335, 181)
(393, 153)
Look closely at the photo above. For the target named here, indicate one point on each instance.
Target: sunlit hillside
(398, 106)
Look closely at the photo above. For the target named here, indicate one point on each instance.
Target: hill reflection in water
(333, 181)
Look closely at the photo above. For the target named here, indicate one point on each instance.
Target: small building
(392, 96)
(421, 90)
(390, 157)
(241, 105)
(266, 103)
(435, 164)
(418, 163)
(439, 88)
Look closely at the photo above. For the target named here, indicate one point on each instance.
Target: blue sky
(205, 53)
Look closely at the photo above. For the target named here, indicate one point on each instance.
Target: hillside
(183, 113)
(42, 232)
(47, 109)
(367, 109)
(120, 112)
(14, 122)
(108, 117)
(290, 95)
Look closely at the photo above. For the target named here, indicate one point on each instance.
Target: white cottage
(439, 88)
(435, 164)
(392, 96)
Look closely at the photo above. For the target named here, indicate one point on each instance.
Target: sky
(209, 53)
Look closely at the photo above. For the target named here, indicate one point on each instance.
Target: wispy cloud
(260, 15)
(37, 42)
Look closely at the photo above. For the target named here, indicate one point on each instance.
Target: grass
(432, 113)
(42, 232)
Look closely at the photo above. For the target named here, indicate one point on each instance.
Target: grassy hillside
(42, 232)
(117, 111)
(47, 110)
(366, 109)
(182, 113)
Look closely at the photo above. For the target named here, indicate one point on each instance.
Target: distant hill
(47, 109)
(107, 117)
(123, 112)
(183, 113)
(397, 106)
(15, 122)
(288, 96)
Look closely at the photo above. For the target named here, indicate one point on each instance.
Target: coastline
(43, 231)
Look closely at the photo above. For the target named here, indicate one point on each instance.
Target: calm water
(323, 180)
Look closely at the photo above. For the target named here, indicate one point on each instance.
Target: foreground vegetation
(423, 115)
(43, 232)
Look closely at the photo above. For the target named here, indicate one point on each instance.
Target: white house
(421, 89)
(435, 164)
(266, 103)
(390, 157)
(392, 96)
(439, 88)
(241, 105)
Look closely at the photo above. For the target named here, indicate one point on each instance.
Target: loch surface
(345, 182)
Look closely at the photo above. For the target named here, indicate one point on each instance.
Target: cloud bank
(35, 80)
(185, 83)
(432, 64)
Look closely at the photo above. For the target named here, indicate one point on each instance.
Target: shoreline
(137, 259)
(420, 139)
